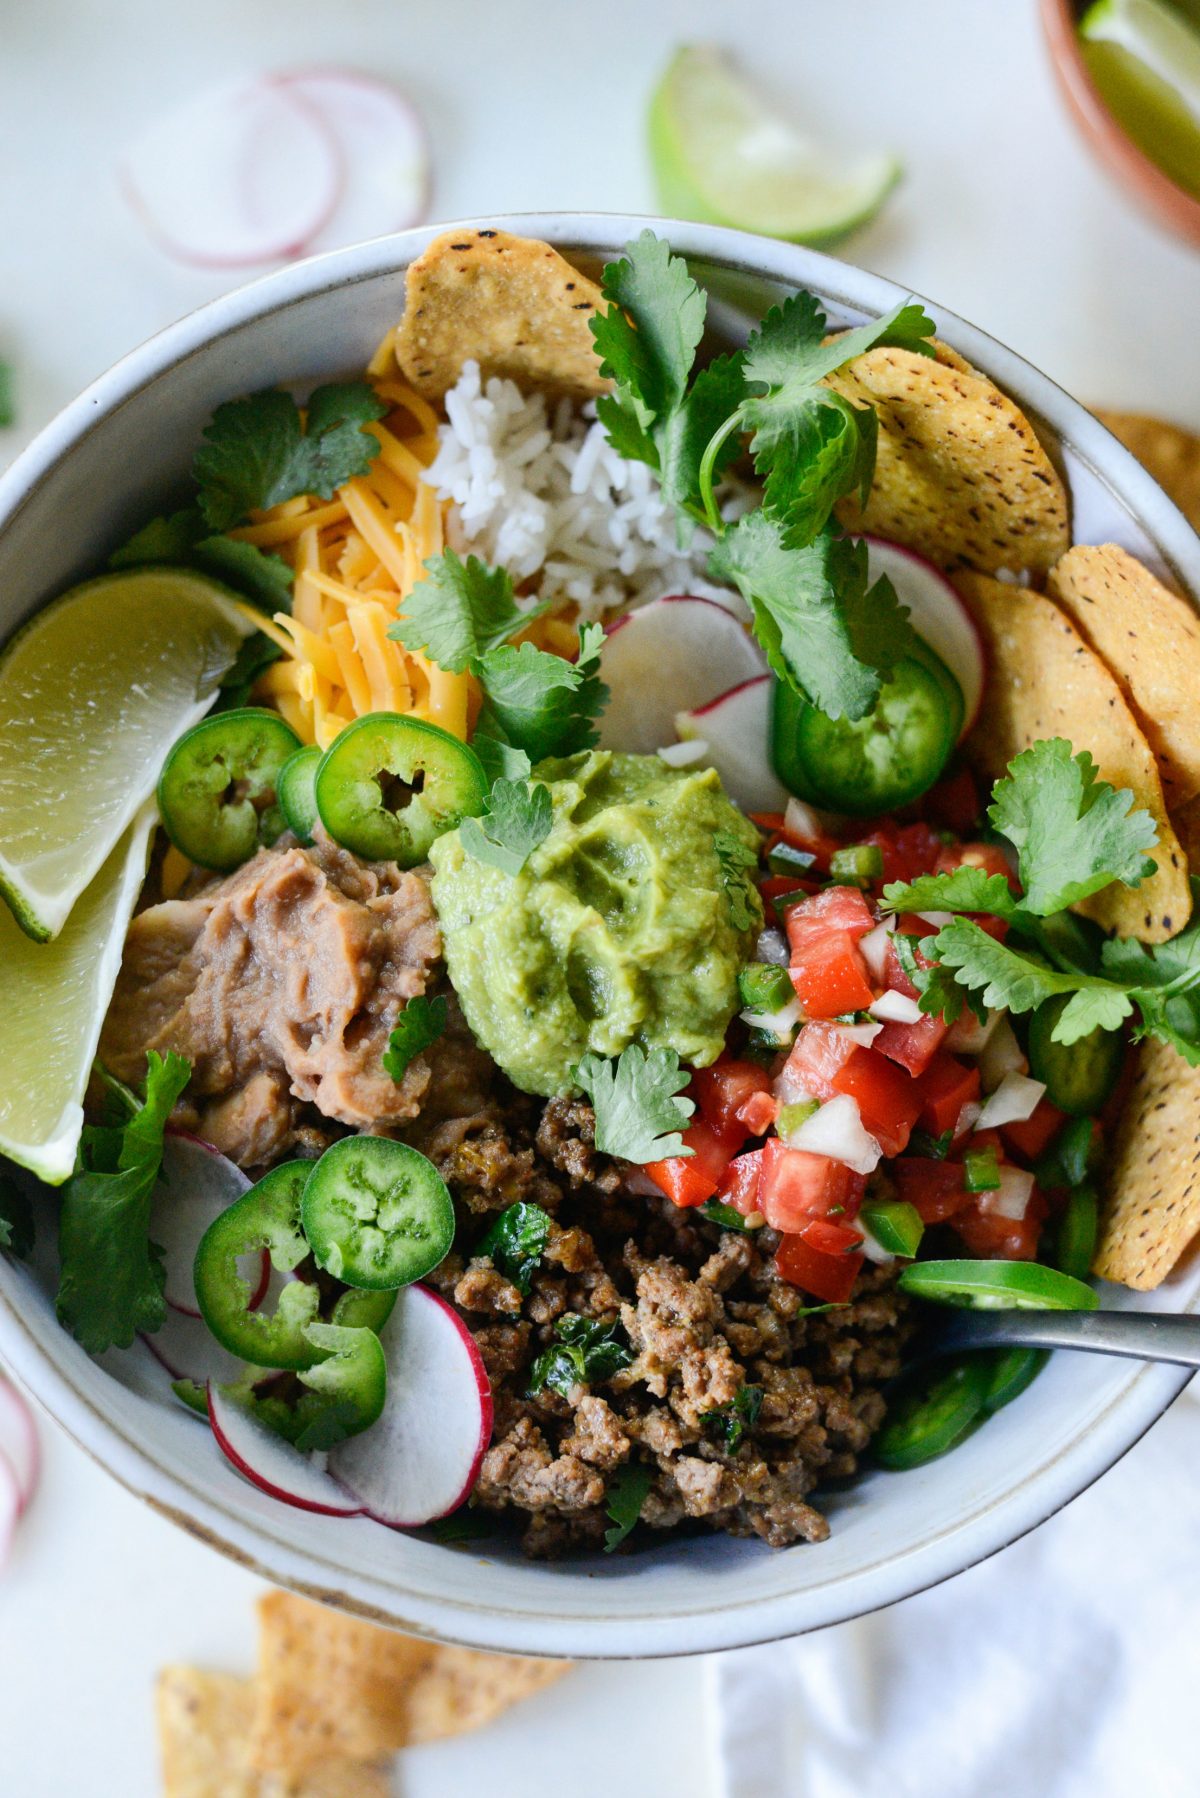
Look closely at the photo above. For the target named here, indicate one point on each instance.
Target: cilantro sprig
(624, 1502)
(260, 451)
(112, 1277)
(516, 1242)
(585, 1351)
(639, 1113)
(825, 634)
(418, 1027)
(520, 816)
(735, 859)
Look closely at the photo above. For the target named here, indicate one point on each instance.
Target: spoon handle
(1141, 1335)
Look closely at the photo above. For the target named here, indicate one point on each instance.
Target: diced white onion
(967, 1119)
(967, 1036)
(789, 1089)
(836, 1129)
(1011, 1198)
(1015, 1099)
(772, 947)
(801, 820)
(871, 1247)
(896, 1008)
(939, 919)
(682, 755)
(1000, 1055)
(862, 1035)
(782, 1024)
(873, 948)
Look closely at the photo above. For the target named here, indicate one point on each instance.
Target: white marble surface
(530, 103)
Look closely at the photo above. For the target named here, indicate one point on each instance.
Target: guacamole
(619, 929)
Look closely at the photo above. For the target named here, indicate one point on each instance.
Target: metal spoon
(1139, 1335)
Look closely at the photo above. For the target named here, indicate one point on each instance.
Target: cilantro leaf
(257, 452)
(420, 1023)
(648, 337)
(938, 994)
(683, 437)
(518, 818)
(111, 1281)
(183, 538)
(516, 1242)
(255, 655)
(1073, 832)
(16, 1218)
(459, 611)
(1021, 981)
(8, 406)
(731, 1421)
(736, 858)
(623, 1501)
(638, 1112)
(585, 1352)
(499, 760)
(539, 702)
(963, 889)
(824, 633)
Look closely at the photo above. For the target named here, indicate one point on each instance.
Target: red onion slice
(383, 149)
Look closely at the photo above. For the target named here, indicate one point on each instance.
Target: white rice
(537, 488)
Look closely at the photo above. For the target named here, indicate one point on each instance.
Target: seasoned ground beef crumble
(704, 1315)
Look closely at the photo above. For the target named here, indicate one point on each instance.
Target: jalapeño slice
(389, 786)
(376, 1213)
(297, 796)
(218, 789)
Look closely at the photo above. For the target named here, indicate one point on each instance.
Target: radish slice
(19, 1445)
(188, 1350)
(673, 655)
(11, 1506)
(383, 151)
(272, 1464)
(421, 1458)
(937, 614)
(736, 728)
(197, 1184)
(245, 172)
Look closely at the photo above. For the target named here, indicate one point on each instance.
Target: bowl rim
(145, 1472)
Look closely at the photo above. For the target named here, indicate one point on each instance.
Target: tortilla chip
(1153, 1208)
(1150, 639)
(1171, 455)
(204, 1722)
(509, 303)
(333, 1687)
(1046, 682)
(960, 475)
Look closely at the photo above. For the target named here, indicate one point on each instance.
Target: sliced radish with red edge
(421, 1459)
(11, 1506)
(383, 149)
(673, 655)
(20, 1448)
(196, 1185)
(735, 728)
(272, 1464)
(188, 1350)
(245, 172)
(937, 614)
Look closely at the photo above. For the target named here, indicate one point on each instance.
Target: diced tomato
(991, 1237)
(946, 1086)
(759, 1113)
(1031, 1136)
(907, 849)
(934, 1188)
(778, 886)
(820, 1050)
(828, 972)
(889, 1100)
(829, 1278)
(907, 924)
(720, 1093)
(831, 1237)
(988, 856)
(740, 1182)
(690, 1179)
(913, 1046)
(769, 821)
(797, 1186)
(954, 802)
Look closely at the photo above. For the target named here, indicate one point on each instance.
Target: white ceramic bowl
(120, 453)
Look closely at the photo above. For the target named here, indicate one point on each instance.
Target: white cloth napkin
(1068, 1666)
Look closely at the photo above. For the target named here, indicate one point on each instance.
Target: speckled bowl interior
(120, 453)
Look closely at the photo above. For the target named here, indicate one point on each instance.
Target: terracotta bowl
(1141, 177)
(119, 454)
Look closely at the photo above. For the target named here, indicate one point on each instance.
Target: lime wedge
(721, 154)
(93, 692)
(1144, 56)
(53, 997)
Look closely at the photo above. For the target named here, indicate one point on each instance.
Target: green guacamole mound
(617, 930)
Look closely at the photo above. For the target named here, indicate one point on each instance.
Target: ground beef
(704, 1317)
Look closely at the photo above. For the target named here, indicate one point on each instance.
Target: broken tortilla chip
(960, 475)
(1153, 1203)
(1165, 451)
(1045, 681)
(1150, 639)
(204, 1722)
(509, 303)
(333, 1687)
